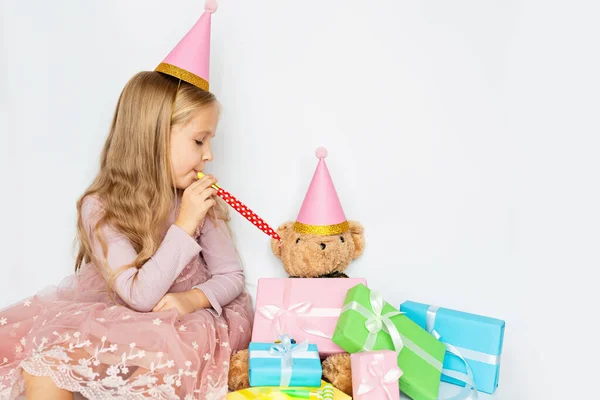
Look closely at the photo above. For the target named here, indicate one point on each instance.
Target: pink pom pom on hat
(190, 59)
(321, 212)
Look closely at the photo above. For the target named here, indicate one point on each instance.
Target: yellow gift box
(274, 393)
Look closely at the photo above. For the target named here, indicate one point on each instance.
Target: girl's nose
(208, 155)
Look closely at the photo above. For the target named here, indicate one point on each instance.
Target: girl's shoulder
(92, 211)
(91, 202)
(92, 208)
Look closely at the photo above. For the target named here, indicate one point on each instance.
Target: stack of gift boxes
(411, 348)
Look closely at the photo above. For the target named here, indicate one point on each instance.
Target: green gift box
(368, 323)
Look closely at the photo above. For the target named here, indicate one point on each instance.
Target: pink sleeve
(227, 281)
(156, 276)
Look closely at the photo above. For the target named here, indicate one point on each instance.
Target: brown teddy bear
(321, 243)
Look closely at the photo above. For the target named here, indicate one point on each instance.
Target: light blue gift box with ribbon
(284, 364)
(475, 338)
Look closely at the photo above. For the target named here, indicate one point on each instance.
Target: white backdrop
(463, 135)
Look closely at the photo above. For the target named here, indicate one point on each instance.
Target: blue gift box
(284, 364)
(478, 339)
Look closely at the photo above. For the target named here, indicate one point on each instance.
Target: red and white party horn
(244, 211)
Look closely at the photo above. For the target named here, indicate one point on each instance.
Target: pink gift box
(304, 308)
(375, 375)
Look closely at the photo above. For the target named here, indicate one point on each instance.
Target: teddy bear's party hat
(321, 212)
(190, 59)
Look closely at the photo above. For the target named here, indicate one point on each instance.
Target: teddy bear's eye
(342, 239)
(297, 240)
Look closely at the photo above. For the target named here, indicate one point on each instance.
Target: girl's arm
(156, 276)
(227, 281)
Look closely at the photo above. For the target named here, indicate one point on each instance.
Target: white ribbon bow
(465, 393)
(379, 378)
(276, 314)
(286, 351)
(376, 321)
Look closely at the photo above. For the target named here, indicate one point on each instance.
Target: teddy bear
(321, 243)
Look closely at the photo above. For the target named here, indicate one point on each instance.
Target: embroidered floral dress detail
(74, 334)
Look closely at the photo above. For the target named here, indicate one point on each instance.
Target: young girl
(157, 304)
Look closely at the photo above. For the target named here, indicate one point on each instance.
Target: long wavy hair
(135, 183)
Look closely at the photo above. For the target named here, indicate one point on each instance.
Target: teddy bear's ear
(283, 231)
(357, 231)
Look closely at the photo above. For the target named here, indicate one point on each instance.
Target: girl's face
(190, 145)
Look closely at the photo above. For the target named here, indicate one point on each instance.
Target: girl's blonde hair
(135, 183)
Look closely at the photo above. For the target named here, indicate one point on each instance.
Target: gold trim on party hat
(322, 230)
(184, 75)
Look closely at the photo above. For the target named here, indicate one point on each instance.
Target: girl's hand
(184, 302)
(197, 199)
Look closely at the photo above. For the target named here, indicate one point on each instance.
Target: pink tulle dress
(119, 349)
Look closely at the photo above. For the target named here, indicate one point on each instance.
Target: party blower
(245, 211)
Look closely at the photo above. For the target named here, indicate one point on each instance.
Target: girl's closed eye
(199, 142)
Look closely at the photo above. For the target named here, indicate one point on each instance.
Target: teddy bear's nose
(323, 245)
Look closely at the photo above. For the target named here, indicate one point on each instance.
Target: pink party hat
(321, 212)
(190, 59)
